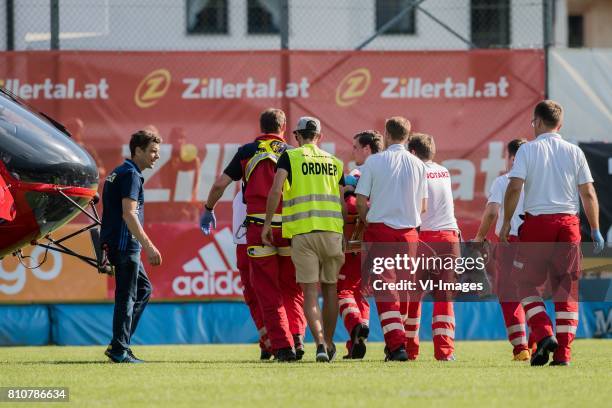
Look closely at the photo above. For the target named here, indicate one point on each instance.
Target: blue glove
(350, 180)
(598, 241)
(208, 222)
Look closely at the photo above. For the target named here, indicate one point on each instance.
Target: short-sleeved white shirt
(238, 215)
(552, 169)
(496, 195)
(396, 183)
(440, 214)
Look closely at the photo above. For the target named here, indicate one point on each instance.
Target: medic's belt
(258, 251)
(261, 218)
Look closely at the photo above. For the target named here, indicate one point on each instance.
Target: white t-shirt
(238, 215)
(552, 169)
(396, 183)
(496, 195)
(440, 214)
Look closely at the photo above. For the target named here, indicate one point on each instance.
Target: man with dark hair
(395, 182)
(271, 120)
(555, 173)
(272, 272)
(439, 237)
(309, 179)
(122, 236)
(352, 303)
(514, 315)
(365, 144)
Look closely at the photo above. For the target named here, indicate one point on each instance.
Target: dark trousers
(132, 292)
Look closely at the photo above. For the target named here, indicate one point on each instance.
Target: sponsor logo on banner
(463, 172)
(212, 271)
(219, 88)
(152, 88)
(353, 86)
(603, 323)
(49, 89)
(408, 88)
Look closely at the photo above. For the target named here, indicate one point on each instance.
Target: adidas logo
(211, 272)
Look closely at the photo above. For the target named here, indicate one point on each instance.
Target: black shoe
(129, 351)
(122, 358)
(299, 346)
(322, 356)
(331, 352)
(559, 363)
(397, 355)
(359, 335)
(285, 355)
(108, 353)
(265, 355)
(546, 345)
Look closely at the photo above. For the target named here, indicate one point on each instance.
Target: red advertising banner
(206, 104)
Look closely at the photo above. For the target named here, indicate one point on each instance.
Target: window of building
(207, 17)
(575, 31)
(490, 23)
(386, 10)
(263, 16)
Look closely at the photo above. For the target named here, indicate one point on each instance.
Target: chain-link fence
(270, 24)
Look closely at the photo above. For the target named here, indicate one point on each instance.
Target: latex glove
(208, 222)
(350, 180)
(598, 241)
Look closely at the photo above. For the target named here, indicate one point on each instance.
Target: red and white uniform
(396, 183)
(352, 302)
(552, 170)
(272, 272)
(244, 267)
(439, 235)
(513, 312)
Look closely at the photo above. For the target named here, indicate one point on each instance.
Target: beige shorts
(317, 256)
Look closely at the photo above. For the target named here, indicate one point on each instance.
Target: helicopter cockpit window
(33, 150)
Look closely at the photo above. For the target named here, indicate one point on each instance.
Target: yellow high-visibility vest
(270, 149)
(312, 201)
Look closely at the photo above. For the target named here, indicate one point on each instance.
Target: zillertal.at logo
(353, 86)
(152, 88)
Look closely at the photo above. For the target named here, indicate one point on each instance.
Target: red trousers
(392, 306)
(273, 279)
(353, 304)
(557, 265)
(434, 244)
(512, 310)
(244, 267)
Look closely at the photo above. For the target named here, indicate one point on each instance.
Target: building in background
(256, 24)
(583, 23)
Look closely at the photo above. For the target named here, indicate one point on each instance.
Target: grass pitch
(231, 375)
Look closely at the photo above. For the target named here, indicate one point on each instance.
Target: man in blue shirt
(122, 236)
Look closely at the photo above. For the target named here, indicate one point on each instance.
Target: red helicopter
(46, 180)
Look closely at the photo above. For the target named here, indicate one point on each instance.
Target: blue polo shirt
(124, 182)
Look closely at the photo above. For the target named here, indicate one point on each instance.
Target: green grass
(231, 375)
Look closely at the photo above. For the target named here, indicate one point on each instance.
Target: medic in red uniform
(272, 271)
(554, 174)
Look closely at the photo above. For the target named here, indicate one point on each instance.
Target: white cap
(308, 123)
